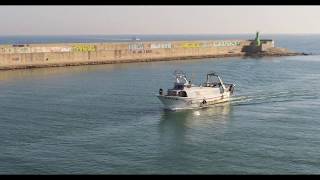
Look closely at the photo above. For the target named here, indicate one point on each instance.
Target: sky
(117, 20)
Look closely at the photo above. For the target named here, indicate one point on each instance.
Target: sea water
(106, 119)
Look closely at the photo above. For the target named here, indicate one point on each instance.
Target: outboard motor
(160, 91)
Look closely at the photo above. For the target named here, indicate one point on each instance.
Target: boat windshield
(178, 86)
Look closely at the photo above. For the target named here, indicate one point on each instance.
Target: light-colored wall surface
(47, 54)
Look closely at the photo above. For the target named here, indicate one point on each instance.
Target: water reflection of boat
(180, 128)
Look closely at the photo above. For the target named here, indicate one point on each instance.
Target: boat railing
(229, 87)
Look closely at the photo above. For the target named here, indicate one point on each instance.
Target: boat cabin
(179, 85)
(182, 86)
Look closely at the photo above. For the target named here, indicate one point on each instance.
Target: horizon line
(158, 34)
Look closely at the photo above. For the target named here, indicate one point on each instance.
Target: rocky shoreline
(277, 52)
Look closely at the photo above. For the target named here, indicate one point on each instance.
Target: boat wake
(285, 96)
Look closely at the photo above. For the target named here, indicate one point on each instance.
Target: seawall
(47, 55)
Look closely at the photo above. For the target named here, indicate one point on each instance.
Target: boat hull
(178, 103)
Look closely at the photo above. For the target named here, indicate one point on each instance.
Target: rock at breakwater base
(275, 51)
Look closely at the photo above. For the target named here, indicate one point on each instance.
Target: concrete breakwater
(69, 54)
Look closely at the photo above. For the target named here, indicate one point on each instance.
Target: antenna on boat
(192, 78)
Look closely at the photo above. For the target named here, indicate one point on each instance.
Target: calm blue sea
(105, 119)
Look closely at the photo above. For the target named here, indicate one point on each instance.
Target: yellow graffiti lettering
(191, 45)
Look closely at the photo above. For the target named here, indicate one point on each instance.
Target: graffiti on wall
(60, 49)
(136, 46)
(22, 50)
(83, 48)
(190, 45)
(8, 50)
(15, 50)
(141, 51)
(226, 43)
(39, 49)
(160, 46)
(211, 44)
(51, 49)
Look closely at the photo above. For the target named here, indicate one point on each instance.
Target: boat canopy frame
(210, 74)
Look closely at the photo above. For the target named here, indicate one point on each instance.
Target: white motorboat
(185, 95)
